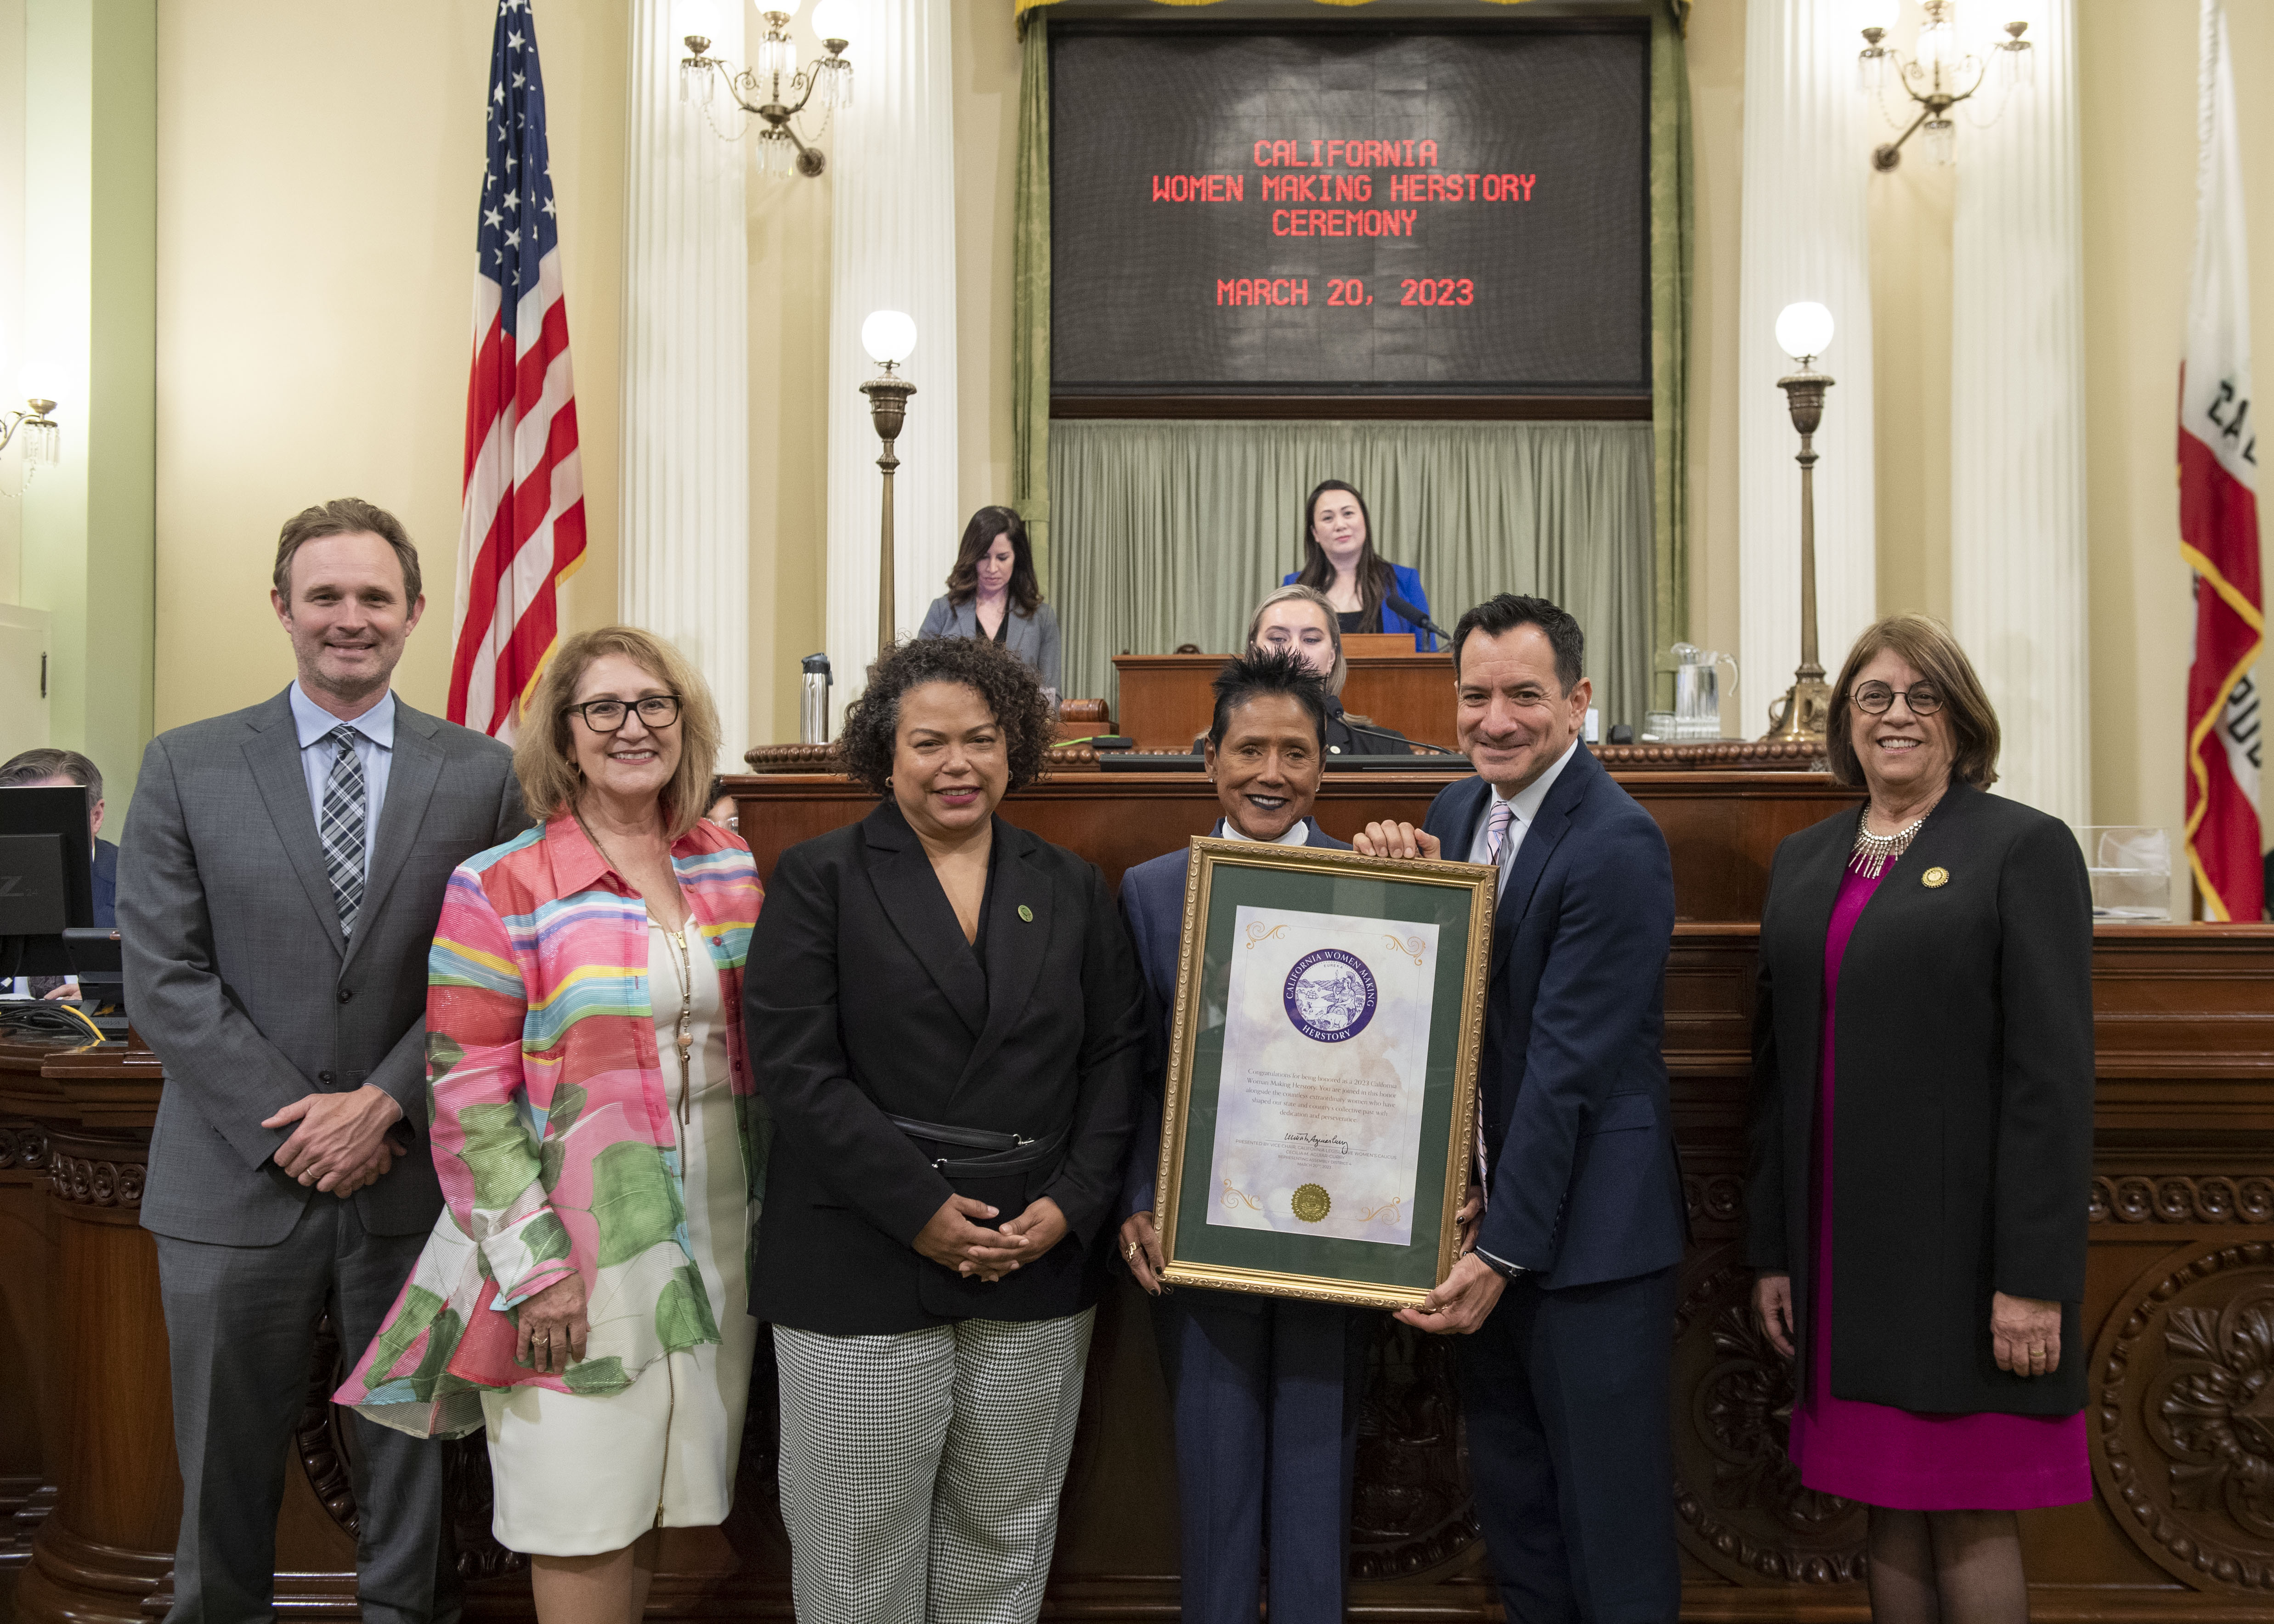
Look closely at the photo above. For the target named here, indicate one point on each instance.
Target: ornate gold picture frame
(1321, 1098)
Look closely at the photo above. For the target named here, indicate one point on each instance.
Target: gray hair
(34, 765)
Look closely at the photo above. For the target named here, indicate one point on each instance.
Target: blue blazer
(106, 884)
(1153, 907)
(1410, 588)
(1579, 1128)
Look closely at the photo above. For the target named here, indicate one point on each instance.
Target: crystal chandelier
(1939, 74)
(772, 90)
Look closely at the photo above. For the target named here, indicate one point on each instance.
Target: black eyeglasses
(606, 716)
(1877, 697)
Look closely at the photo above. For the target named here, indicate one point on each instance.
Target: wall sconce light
(1803, 331)
(889, 336)
(772, 90)
(1932, 76)
(42, 440)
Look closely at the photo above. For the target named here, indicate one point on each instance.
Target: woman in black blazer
(944, 1020)
(1921, 1136)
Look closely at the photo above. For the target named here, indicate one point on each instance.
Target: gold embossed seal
(1311, 1203)
(1935, 877)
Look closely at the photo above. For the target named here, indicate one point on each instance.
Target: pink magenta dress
(1899, 1458)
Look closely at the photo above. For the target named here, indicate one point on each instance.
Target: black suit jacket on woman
(863, 1002)
(1962, 1108)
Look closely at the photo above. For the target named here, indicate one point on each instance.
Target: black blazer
(1579, 1127)
(863, 1001)
(1962, 1154)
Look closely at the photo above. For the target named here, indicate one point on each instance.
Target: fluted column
(2017, 543)
(1803, 235)
(891, 247)
(684, 564)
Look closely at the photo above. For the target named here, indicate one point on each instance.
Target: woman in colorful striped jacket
(585, 1292)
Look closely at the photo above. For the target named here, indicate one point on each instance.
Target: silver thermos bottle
(813, 709)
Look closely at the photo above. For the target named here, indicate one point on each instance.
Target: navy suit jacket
(1579, 1129)
(1153, 907)
(106, 884)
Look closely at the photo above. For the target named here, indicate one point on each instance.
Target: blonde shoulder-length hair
(1310, 594)
(544, 760)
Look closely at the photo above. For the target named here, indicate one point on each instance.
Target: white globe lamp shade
(832, 20)
(787, 8)
(35, 379)
(1803, 331)
(705, 19)
(888, 336)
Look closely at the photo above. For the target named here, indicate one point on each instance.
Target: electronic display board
(1430, 209)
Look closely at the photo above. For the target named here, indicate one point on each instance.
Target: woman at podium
(992, 593)
(1367, 592)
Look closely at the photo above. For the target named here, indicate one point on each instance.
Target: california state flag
(2218, 511)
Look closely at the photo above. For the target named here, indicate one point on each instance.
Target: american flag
(522, 528)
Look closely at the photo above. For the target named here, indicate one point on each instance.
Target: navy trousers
(1565, 1394)
(1265, 1393)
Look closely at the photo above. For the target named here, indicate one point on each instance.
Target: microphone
(1416, 746)
(1401, 606)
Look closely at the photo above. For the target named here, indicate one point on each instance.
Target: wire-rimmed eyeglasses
(1878, 698)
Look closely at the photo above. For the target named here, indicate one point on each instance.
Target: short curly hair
(1005, 682)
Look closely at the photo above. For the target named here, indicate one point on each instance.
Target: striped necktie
(1496, 827)
(341, 827)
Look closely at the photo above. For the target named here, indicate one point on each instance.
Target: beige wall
(318, 170)
(312, 335)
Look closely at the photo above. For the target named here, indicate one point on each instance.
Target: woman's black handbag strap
(1002, 1152)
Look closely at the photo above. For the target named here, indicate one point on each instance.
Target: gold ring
(1129, 1250)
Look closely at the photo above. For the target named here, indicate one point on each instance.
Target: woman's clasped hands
(953, 1241)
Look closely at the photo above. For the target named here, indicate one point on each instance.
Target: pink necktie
(1504, 813)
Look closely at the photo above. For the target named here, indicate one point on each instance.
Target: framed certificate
(1322, 1089)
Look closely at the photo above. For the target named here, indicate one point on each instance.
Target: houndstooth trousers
(920, 1472)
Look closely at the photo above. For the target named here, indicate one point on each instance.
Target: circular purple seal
(1329, 996)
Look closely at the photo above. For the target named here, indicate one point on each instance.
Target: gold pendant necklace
(683, 968)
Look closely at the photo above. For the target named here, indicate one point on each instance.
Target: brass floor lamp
(1803, 331)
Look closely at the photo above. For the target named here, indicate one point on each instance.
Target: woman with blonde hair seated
(1300, 620)
(585, 1292)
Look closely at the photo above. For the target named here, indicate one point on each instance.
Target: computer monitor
(47, 878)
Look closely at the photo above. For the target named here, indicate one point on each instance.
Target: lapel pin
(1026, 913)
(1934, 879)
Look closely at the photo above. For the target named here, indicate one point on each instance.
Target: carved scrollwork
(88, 1182)
(1718, 1198)
(2184, 1416)
(1740, 1505)
(1411, 1510)
(23, 1145)
(325, 1438)
(2178, 1198)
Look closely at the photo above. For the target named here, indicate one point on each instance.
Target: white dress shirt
(1298, 833)
(374, 747)
(1527, 804)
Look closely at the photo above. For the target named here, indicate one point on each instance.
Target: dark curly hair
(1007, 683)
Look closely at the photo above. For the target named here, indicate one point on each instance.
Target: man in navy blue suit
(1265, 1391)
(1565, 1289)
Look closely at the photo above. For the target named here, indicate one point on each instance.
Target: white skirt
(583, 1474)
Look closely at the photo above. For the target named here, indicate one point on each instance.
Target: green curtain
(1171, 531)
(1671, 238)
(1030, 315)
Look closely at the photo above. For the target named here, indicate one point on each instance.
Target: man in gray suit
(282, 874)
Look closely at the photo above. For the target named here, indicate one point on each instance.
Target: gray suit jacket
(237, 975)
(1034, 639)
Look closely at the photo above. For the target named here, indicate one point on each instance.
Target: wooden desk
(2179, 1292)
(1164, 700)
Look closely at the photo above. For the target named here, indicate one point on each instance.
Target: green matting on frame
(1357, 1263)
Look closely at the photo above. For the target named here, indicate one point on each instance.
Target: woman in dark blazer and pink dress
(1922, 1137)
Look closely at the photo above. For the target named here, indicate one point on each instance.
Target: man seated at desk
(66, 769)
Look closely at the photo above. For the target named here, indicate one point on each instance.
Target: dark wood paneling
(2178, 1313)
